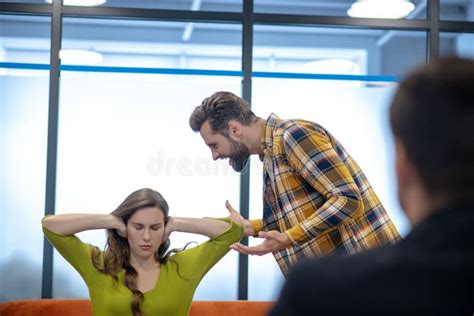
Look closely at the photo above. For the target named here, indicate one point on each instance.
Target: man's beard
(239, 155)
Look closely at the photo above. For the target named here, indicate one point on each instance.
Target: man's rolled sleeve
(257, 225)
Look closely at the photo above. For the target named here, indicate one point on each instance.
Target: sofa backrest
(229, 308)
(46, 307)
(60, 307)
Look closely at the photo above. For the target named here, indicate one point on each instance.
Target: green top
(174, 290)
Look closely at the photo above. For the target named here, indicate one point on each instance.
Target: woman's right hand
(120, 227)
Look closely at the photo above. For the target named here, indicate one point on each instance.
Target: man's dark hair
(219, 109)
(432, 114)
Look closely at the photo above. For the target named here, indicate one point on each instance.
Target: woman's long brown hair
(116, 255)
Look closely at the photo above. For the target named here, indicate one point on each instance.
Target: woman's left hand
(169, 228)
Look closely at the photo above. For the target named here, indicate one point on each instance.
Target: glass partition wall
(95, 102)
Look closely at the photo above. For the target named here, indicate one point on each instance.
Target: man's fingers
(237, 247)
(246, 250)
(264, 234)
(229, 207)
(270, 234)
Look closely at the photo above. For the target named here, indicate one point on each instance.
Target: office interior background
(95, 102)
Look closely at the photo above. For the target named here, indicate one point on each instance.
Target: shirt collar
(267, 137)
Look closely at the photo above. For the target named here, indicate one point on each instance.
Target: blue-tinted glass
(23, 139)
(337, 50)
(194, 5)
(456, 10)
(457, 44)
(151, 44)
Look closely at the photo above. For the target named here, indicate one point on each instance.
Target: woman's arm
(204, 226)
(196, 261)
(70, 224)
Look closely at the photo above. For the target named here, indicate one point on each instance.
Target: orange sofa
(60, 307)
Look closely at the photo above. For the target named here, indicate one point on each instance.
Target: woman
(135, 275)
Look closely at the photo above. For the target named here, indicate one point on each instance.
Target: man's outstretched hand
(236, 217)
(274, 241)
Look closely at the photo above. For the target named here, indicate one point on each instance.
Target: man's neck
(422, 205)
(254, 137)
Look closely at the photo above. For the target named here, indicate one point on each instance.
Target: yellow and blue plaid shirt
(317, 194)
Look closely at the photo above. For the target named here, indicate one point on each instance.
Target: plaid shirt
(317, 194)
